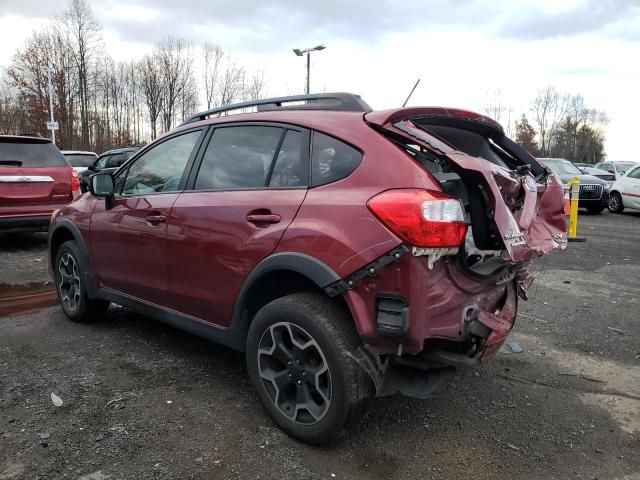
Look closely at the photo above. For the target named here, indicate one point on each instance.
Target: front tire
(615, 203)
(299, 363)
(71, 287)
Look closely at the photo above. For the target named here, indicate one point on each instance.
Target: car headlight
(607, 187)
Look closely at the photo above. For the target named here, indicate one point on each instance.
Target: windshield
(80, 159)
(562, 167)
(18, 153)
(624, 166)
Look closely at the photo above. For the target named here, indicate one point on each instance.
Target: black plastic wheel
(71, 288)
(299, 365)
(615, 203)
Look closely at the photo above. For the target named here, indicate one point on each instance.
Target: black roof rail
(339, 101)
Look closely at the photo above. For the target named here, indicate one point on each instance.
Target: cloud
(588, 16)
(251, 25)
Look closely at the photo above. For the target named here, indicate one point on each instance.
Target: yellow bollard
(574, 186)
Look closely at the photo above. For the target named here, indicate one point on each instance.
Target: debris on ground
(57, 401)
(515, 347)
(617, 330)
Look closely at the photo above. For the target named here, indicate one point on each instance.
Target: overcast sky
(463, 50)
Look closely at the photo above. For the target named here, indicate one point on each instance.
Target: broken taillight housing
(422, 218)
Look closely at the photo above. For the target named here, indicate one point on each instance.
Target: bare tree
(231, 83)
(152, 86)
(549, 109)
(255, 88)
(212, 55)
(500, 111)
(84, 31)
(176, 59)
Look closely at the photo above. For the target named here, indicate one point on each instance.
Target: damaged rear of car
(469, 239)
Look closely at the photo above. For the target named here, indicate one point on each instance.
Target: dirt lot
(142, 400)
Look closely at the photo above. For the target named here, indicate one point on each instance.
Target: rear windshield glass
(79, 160)
(22, 154)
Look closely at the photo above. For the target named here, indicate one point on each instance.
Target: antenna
(410, 93)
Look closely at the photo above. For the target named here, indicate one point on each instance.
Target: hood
(583, 179)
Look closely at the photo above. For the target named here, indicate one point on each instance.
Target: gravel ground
(142, 400)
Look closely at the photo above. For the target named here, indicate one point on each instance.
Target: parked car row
(615, 185)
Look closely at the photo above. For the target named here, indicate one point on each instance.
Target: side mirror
(101, 185)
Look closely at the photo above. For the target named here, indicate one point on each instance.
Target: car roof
(23, 139)
(120, 150)
(78, 152)
(552, 159)
(330, 113)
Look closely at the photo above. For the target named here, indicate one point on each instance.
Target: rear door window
(291, 168)
(331, 159)
(238, 157)
(634, 173)
(21, 153)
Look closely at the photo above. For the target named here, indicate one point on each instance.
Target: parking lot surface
(143, 400)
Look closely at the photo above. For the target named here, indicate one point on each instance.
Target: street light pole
(300, 52)
(53, 132)
(308, 70)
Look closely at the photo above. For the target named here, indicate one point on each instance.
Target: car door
(249, 185)
(128, 241)
(632, 188)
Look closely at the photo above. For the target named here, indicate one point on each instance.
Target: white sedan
(79, 160)
(625, 192)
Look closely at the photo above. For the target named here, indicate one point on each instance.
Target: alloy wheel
(614, 202)
(294, 373)
(69, 281)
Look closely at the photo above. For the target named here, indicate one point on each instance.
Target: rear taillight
(75, 181)
(421, 218)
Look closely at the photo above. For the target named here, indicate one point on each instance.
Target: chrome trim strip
(25, 179)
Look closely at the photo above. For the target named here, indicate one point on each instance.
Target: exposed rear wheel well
(60, 236)
(277, 284)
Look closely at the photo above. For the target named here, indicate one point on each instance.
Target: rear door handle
(263, 218)
(155, 219)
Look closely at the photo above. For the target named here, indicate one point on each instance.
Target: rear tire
(71, 286)
(299, 365)
(615, 203)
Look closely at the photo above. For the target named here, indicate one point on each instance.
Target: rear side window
(115, 160)
(238, 157)
(331, 159)
(25, 154)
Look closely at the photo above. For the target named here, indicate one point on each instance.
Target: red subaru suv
(35, 180)
(349, 253)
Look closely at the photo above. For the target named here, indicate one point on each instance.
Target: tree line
(100, 103)
(562, 125)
